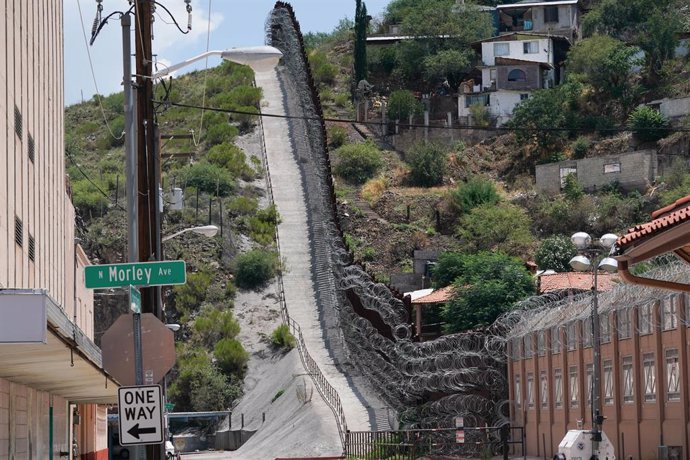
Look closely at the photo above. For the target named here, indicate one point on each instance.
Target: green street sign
(169, 407)
(134, 299)
(135, 274)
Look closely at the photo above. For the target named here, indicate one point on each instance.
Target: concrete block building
(52, 385)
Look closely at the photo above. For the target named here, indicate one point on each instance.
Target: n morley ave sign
(141, 415)
(135, 274)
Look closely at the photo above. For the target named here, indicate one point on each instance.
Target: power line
(416, 125)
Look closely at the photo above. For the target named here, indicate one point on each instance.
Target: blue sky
(232, 22)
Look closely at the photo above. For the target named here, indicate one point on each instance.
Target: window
(589, 369)
(565, 172)
(644, 318)
(518, 392)
(530, 47)
(672, 375)
(587, 333)
(32, 148)
(501, 49)
(605, 328)
(669, 310)
(612, 168)
(476, 99)
(544, 388)
(32, 249)
(530, 390)
(608, 382)
(529, 351)
(558, 387)
(492, 74)
(571, 334)
(18, 122)
(524, 96)
(551, 14)
(556, 340)
(541, 345)
(649, 375)
(573, 387)
(517, 75)
(18, 231)
(628, 389)
(623, 324)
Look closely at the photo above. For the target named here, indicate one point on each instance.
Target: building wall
(637, 422)
(635, 171)
(567, 19)
(532, 77)
(544, 54)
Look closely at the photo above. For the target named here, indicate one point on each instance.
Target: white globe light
(581, 240)
(580, 263)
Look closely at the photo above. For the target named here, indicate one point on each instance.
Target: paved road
(295, 247)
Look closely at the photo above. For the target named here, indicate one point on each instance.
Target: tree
(449, 64)
(360, 48)
(606, 65)
(554, 253)
(485, 286)
(503, 227)
(401, 104)
(428, 164)
(358, 162)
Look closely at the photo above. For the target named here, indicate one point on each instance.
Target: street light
(259, 58)
(594, 257)
(206, 230)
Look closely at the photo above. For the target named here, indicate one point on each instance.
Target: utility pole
(147, 166)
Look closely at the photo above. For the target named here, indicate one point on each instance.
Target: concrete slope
(296, 248)
(295, 425)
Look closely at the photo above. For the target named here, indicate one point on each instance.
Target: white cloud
(168, 36)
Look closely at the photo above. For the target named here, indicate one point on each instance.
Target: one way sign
(141, 415)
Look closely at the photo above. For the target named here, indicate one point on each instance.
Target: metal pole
(130, 140)
(596, 365)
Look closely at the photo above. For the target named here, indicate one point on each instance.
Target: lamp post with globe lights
(593, 255)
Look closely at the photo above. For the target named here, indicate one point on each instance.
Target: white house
(513, 65)
(561, 17)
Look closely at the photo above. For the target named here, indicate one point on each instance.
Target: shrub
(342, 100)
(572, 189)
(220, 133)
(358, 162)
(477, 191)
(255, 268)
(337, 136)
(231, 158)
(322, 70)
(117, 126)
(242, 205)
(189, 296)
(282, 338)
(373, 189)
(246, 95)
(554, 253)
(480, 115)
(262, 226)
(647, 124)
(230, 356)
(580, 147)
(209, 178)
(401, 104)
(428, 164)
(213, 324)
(503, 227)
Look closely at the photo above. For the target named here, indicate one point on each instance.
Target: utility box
(578, 445)
(176, 199)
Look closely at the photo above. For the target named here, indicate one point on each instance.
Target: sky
(233, 23)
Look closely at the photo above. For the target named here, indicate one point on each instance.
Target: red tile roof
(574, 280)
(664, 218)
(438, 296)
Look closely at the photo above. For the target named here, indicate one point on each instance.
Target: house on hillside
(513, 65)
(559, 17)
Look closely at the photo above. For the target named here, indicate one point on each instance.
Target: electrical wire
(417, 125)
(93, 76)
(203, 98)
(173, 18)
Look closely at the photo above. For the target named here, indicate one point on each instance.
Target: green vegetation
(282, 338)
(278, 394)
(360, 52)
(477, 191)
(503, 227)
(255, 268)
(554, 253)
(427, 164)
(231, 356)
(401, 104)
(647, 124)
(358, 162)
(486, 285)
(337, 136)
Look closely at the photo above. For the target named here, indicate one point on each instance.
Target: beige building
(51, 377)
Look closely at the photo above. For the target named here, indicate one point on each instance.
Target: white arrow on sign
(141, 415)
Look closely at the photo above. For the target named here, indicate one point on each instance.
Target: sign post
(141, 415)
(134, 299)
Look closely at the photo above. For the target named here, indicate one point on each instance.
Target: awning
(62, 361)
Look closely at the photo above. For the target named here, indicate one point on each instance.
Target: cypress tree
(360, 50)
